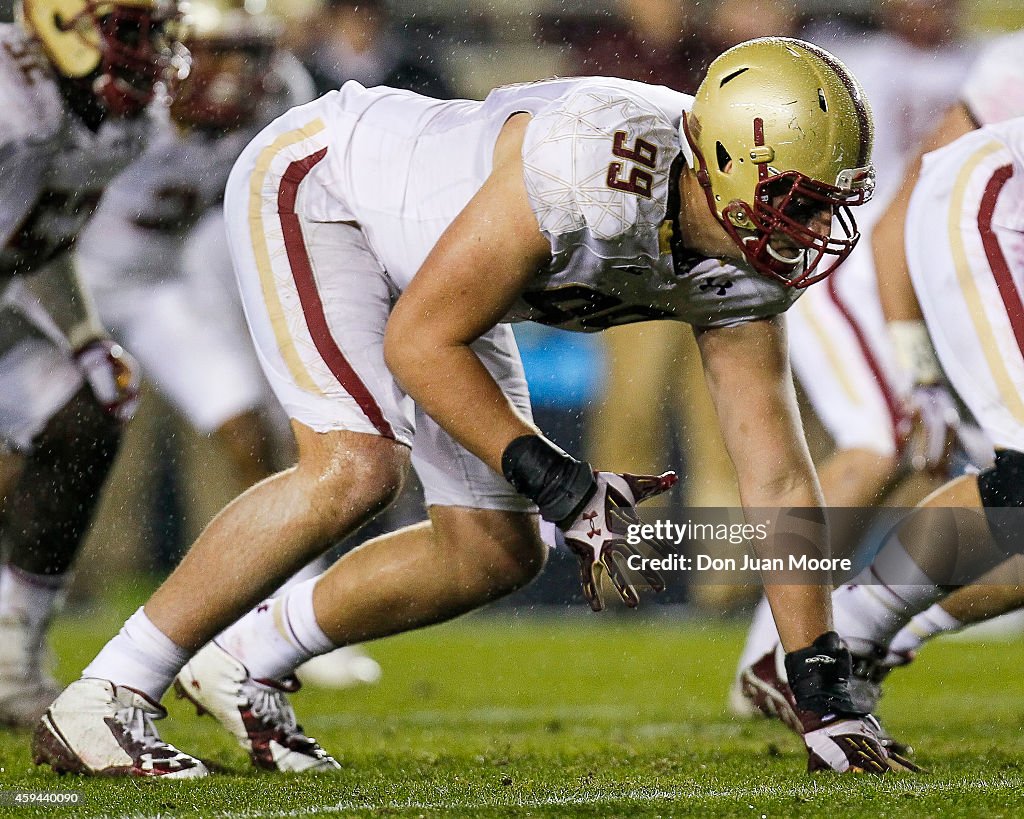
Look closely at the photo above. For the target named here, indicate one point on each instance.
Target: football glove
(112, 374)
(851, 744)
(597, 535)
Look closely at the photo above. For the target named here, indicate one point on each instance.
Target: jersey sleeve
(994, 88)
(596, 166)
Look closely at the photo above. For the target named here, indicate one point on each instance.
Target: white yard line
(594, 796)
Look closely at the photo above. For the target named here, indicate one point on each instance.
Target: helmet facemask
(781, 242)
(789, 135)
(137, 57)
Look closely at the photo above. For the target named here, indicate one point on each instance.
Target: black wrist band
(554, 480)
(819, 676)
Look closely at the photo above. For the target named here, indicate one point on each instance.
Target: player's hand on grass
(850, 744)
(597, 535)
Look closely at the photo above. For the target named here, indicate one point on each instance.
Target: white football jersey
(600, 160)
(53, 168)
(146, 213)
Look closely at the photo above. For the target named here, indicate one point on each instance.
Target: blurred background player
(155, 254)
(78, 81)
(357, 40)
(841, 348)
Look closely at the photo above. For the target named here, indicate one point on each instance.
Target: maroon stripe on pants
(996, 260)
(309, 296)
(892, 404)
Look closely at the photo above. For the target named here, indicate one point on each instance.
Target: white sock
(761, 636)
(875, 605)
(922, 628)
(279, 635)
(140, 657)
(32, 598)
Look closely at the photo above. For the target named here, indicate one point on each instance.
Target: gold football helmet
(231, 50)
(782, 134)
(123, 48)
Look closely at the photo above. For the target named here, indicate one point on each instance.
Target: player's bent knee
(504, 546)
(521, 563)
(349, 474)
(1001, 488)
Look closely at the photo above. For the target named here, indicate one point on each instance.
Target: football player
(866, 376)
(186, 332)
(77, 79)
(382, 242)
(841, 351)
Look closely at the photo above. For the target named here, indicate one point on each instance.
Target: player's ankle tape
(819, 676)
(558, 483)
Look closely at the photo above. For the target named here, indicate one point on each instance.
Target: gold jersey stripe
(258, 178)
(987, 337)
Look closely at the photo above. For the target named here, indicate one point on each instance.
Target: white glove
(597, 535)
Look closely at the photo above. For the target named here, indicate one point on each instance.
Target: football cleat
(344, 667)
(26, 689)
(255, 712)
(98, 728)
(837, 742)
(739, 704)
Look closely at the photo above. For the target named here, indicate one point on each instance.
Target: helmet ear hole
(723, 158)
(822, 104)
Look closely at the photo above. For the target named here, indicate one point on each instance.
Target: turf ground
(576, 715)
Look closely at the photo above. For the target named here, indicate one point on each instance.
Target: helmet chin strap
(791, 261)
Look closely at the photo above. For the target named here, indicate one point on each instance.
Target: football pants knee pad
(1001, 487)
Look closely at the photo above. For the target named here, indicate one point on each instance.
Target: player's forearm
(800, 600)
(64, 297)
(454, 388)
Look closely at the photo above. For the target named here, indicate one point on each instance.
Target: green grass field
(575, 715)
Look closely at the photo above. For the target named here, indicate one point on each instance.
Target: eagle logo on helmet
(125, 49)
(781, 135)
